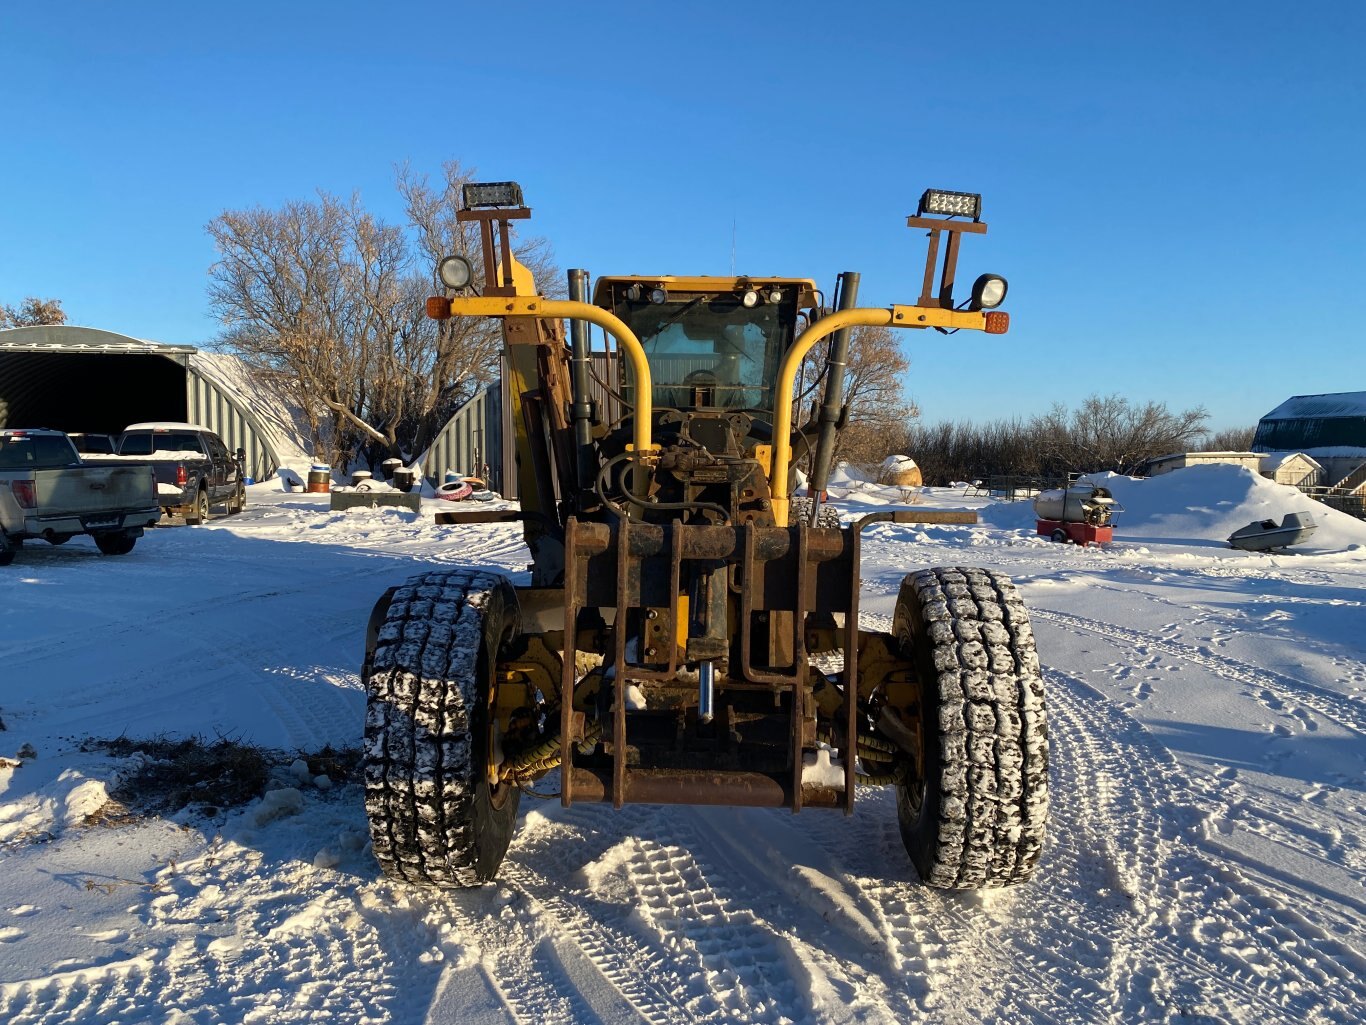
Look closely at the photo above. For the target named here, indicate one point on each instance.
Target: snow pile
(1200, 503)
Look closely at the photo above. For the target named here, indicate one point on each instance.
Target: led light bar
(951, 204)
(492, 194)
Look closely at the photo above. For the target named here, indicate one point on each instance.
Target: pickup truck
(47, 493)
(194, 469)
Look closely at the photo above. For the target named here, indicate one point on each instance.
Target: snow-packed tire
(826, 515)
(974, 810)
(434, 817)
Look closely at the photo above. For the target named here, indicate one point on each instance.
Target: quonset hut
(1330, 428)
(84, 379)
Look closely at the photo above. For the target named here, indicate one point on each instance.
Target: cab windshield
(709, 350)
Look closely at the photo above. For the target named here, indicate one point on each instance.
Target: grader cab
(690, 630)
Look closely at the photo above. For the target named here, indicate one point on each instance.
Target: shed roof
(1300, 407)
(1275, 460)
(62, 338)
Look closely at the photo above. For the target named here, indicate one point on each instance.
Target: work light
(492, 194)
(775, 295)
(988, 292)
(750, 299)
(951, 204)
(455, 272)
(659, 296)
(633, 293)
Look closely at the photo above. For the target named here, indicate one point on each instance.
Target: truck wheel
(238, 501)
(1060, 536)
(200, 512)
(435, 818)
(9, 548)
(975, 802)
(115, 544)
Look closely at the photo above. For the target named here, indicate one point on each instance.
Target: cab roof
(806, 288)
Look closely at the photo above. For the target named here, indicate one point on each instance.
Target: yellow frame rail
(895, 316)
(535, 306)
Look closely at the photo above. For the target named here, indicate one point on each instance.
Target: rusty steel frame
(486, 219)
(937, 226)
(634, 588)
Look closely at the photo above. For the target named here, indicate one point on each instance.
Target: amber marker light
(997, 323)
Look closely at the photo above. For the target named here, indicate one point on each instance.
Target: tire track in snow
(628, 966)
(970, 956)
(1202, 938)
(1267, 685)
(718, 963)
(762, 860)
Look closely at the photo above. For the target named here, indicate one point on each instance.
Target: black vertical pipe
(829, 413)
(581, 411)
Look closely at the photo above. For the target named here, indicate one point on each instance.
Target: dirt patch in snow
(167, 775)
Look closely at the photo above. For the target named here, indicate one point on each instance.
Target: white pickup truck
(48, 493)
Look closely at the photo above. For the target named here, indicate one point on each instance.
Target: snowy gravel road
(1206, 859)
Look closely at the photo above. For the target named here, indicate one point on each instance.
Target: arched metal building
(83, 379)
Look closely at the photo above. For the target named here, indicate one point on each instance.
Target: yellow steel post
(535, 306)
(896, 316)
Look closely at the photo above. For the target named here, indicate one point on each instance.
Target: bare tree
(1111, 433)
(32, 312)
(461, 353)
(1231, 439)
(328, 301)
(874, 391)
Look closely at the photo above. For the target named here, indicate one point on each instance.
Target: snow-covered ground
(1205, 863)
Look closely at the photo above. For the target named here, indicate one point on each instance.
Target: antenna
(732, 245)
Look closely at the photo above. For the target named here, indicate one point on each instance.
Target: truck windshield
(710, 350)
(161, 441)
(35, 452)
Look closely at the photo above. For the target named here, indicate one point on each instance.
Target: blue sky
(1174, 190)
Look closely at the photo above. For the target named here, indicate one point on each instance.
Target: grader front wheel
(435, 818)
(974, 805)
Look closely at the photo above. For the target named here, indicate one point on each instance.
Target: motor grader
(690, 630)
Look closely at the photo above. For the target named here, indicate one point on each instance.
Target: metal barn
(84, 379)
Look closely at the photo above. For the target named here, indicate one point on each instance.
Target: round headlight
(988, 292)
(455, 272)
(658, 296)
(750, 299)
(632, 293)
(775, 295)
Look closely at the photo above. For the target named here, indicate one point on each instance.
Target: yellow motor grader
(690, 630)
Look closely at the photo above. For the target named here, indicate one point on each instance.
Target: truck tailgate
(82, 490)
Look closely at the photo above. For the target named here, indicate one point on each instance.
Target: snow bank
(1200, 503)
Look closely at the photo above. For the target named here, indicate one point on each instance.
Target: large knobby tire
(199, 513)
(115, 544)
(826, 515)
(974, 810)
(434, 817)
